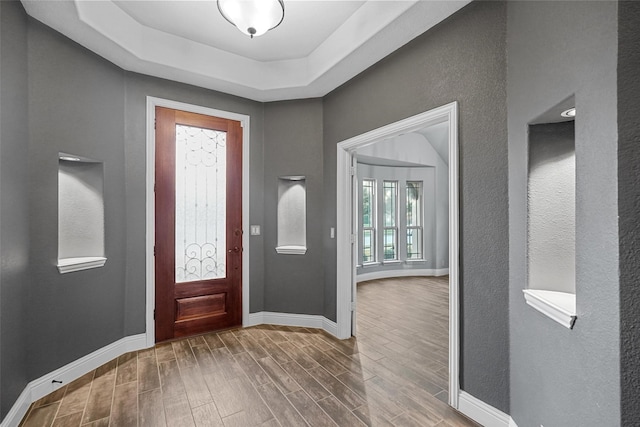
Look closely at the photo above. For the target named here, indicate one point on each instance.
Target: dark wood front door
(198, 238)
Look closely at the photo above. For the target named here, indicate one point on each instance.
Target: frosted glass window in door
(200, 204)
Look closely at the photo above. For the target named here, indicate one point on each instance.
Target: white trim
(44, 385)
(291, 250)
(559, 306)
(482, 412)
(69, 265)
(292, 319)
(344, 276)
(244, 120)
(18, 410)
(387, 274)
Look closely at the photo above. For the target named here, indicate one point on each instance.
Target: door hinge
(353, 306)
(352, 171)
(353, 238)
(154, 314)
(155, 122)
(154, 251)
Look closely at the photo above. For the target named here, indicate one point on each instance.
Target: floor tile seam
(184, 386)
(296, 409)
(316, 402)
(113, 399)
(53, 420)
(348, 388)
(418, 402)
(255, 388)
(86, 402)
(113, 392)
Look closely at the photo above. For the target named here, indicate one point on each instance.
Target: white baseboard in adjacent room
(482, 412)
(44, 385)
(291, 319)
(388, 274)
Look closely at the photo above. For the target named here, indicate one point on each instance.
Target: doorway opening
(241, 227)
(348, 245)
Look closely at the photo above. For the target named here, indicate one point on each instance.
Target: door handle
(235, 249)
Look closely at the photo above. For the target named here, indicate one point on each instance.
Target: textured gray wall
(138, 87)
(14, 204)
(76, 102)
(462, 59)
(629, 206)
(293, 146)
(562, 377)
(551, 209)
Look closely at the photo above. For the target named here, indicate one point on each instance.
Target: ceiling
(319, 45)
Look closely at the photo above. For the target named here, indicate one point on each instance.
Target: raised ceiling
(319, 46)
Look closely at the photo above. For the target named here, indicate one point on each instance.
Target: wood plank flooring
(393, 374)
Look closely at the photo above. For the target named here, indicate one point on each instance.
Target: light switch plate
(255, 230)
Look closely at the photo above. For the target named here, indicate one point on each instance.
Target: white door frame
(346, 235)
(244, 120)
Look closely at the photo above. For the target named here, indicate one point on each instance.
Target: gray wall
(462, 59)
(98, 111)
(76, 105)
(562, 377)
(14, 203)
(629, 206)
(137, 88)
(293, 146)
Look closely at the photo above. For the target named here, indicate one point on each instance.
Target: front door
(198, 238)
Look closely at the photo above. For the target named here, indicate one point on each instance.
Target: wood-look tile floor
(393, 374)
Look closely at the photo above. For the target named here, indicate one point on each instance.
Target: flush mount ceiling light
(570, 113)
(252, 17)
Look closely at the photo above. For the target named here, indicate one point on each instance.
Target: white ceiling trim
(375, 30)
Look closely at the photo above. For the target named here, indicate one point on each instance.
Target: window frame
(394, 227)
(373, 221)
(419, 220)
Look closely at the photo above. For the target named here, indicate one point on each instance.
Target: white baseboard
(483, 413)
(44, 385)
(387, 274)
(292, 319)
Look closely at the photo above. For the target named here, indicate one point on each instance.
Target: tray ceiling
(319, 46)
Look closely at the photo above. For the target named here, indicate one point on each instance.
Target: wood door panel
(185, 328)
(195, 289)
(192, 307)
(202, 306)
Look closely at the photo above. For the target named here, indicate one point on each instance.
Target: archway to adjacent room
(347, 224)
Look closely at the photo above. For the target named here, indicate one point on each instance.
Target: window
(368, 221)
(414, 219)
(390, 220)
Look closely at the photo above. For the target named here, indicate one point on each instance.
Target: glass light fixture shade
(252, 17)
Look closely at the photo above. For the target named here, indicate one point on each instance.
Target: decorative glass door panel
(200, 204)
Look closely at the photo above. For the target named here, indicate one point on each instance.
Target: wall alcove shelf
(80, 213)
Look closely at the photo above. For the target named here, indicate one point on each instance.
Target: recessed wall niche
(551, 221)
(80, 213)
(292, 215)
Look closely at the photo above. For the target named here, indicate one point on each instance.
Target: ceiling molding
(373, 31)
